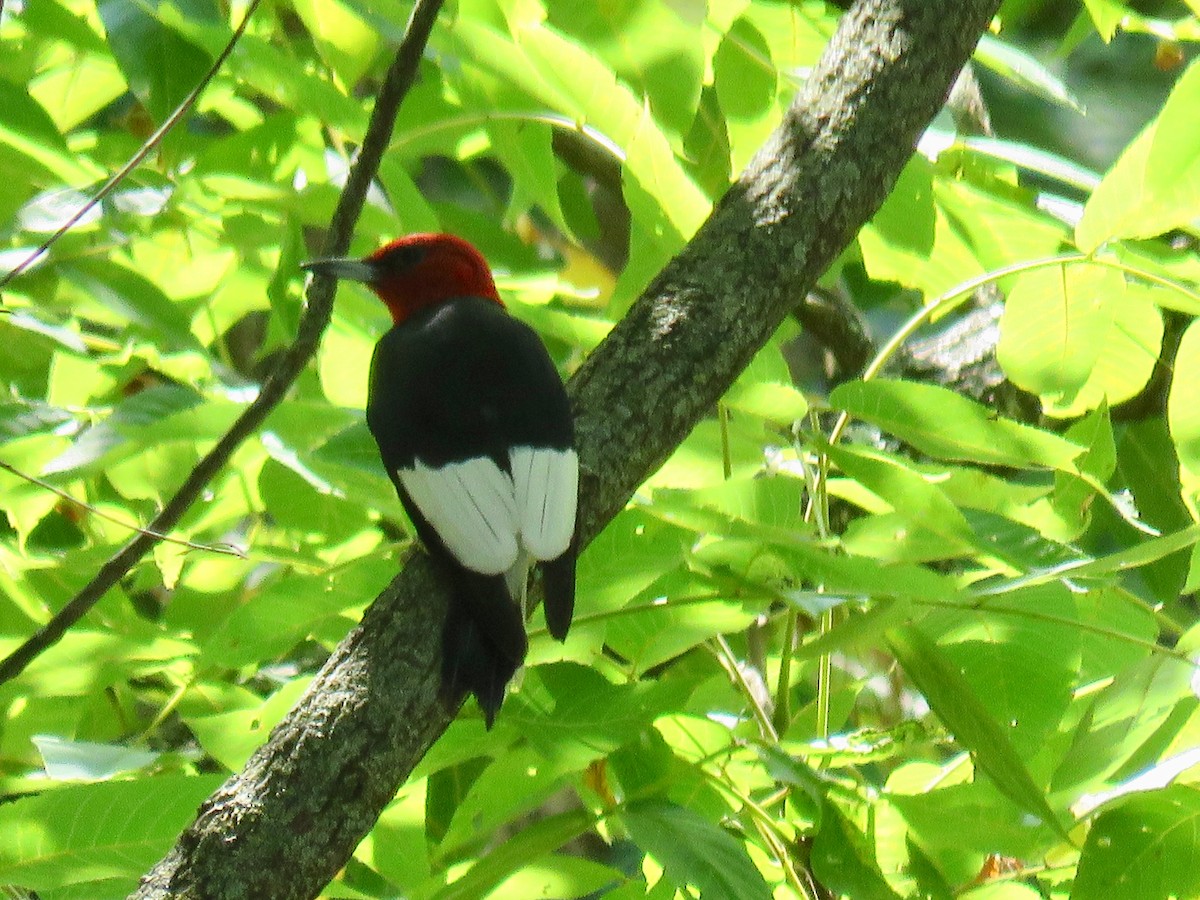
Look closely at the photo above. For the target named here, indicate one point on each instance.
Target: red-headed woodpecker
(475, 431)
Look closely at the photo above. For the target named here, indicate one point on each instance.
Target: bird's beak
(345, 269)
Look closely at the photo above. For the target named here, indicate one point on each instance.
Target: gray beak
(342, 268)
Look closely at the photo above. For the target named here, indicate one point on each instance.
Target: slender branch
(285, 824)
(151, 142)
(292, 361)
(226, 549)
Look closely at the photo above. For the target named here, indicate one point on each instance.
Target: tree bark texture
(285, 824)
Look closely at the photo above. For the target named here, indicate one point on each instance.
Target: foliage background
(947, 655)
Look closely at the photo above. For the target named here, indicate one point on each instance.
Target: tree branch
(286, 823)
(290, 364)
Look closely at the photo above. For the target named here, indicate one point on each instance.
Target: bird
(475, 430)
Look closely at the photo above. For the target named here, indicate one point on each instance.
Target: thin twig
(313, 321)
(729, 659)
(226, 550)
(151, 142)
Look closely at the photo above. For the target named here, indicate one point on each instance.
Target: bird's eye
(401, 259)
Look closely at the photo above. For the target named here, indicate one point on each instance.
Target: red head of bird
(416, 271)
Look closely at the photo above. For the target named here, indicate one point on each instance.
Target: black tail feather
(558, 587)
(483, 643)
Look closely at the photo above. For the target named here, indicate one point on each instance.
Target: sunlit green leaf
(843, 861)
(947, 425)
(1013, 63)
(1054, 324)
(160, 66)
(1183, 404)
(1143, 847)
(541, 838)
(346, 42)
(107, 830)
(1155, 185)
(916, 498)
(957, 704)
(694, 851)
(230, 737)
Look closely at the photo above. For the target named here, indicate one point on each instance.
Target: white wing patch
(472, 507)
(494, 523)
(547, 490)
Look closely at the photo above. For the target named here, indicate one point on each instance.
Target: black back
(461, 380)
(455, 382)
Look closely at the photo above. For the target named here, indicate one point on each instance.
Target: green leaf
(274, 72)
(858, 630)
(765, 389)
(1053, 328)
(159, 64)
(1079, 335)
(95, 832)
(136, 300)
(230, 737)
(1155, 185)
(1022, 654)
(564, 75)
(658, 631)
(1140, 698)
(517, 851)
(951, 696)
(1024, 70)
(344, 40)
(772, 502)
(1072, 496)
(301, 502)
(31, 137)
(140, 411)
(652, 47)
(859, 576)
(941, 423)
(1138, 555)
(513, 785)
(743, 74)
(287, 610)
(1107, 16)
(633, 551)
(525, 148)
(908, 219)
(1144, 847)
(693, 851)
(1183, 403)
(1026, 685)
(1036, 160)
(747, 85)
(571, 714)
(843, 860)
(914, 496)
(929, 262)
(557, 875)
(958, 824)
(1001, 229)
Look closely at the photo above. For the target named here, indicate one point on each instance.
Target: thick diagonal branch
(285, 824)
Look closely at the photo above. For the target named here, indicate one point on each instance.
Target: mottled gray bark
(284, 825)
